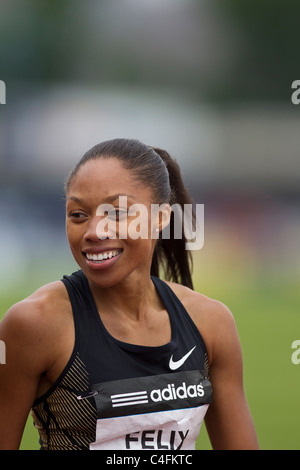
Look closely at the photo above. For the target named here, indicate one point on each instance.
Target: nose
(91, 230)
(99, 228)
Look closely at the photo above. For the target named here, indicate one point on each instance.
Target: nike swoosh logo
(176, 364)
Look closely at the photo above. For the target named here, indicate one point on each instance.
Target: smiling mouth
(101, 257)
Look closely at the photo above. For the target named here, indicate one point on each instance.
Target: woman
(112, 357)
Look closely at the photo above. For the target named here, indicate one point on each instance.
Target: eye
(77, 216)
(121, 214)
(117, 214)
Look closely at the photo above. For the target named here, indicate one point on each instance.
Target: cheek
(75, 250)
(69, 232)
(74, 236)
(141, 250)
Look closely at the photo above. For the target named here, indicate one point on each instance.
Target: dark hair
(156, 169)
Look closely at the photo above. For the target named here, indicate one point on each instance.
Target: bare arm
(19, 377)
(32, 335)
(228, 420)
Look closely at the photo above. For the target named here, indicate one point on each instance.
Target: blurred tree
(222, 50)
(270, 36)
(35, 39)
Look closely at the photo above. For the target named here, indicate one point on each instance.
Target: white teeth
(102, 256)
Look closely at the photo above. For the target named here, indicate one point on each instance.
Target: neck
(132, 297)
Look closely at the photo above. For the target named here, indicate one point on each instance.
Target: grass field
(266, 310)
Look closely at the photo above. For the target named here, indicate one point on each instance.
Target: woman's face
(101, 230)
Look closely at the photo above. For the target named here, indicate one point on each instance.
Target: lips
(104, 257)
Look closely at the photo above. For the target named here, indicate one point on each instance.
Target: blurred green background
(209, 81)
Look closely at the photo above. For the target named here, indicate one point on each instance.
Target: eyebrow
(108, 199)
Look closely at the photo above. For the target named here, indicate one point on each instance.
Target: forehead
(98, 179)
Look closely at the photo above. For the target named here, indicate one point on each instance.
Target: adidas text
(172, 393)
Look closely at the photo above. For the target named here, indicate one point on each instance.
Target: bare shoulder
(212, 317)
(38, 318)
(201, 307)
(37, 307)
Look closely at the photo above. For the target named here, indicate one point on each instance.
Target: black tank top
(115, 395)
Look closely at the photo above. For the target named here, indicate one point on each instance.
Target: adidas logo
(170, 392)
(126, 399)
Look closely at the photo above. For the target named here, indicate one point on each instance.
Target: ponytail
(170, 253)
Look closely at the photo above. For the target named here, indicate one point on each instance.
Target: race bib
(162, 412)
